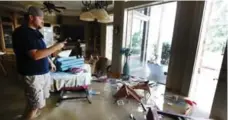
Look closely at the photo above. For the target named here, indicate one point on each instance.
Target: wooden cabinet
(7, 26)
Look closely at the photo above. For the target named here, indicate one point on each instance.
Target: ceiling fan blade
(49, 10)
(45, 3)
(60, 7)
(57, 10)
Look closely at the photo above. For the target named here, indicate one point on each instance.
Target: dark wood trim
(2, 38)
(142, 4)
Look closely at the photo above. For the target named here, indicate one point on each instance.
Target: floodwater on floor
(12, 104)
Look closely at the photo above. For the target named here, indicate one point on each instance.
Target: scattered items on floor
(127, 92)
(135, 78)
(136, 89)
(142, 85)
(125, 77)
(190, 102)
(100, 79)
(178, 104)
(114, 81)
(166, 102)
(93, 92)
(152, 115)
(120, 102)
(179, 100)
(132, 117)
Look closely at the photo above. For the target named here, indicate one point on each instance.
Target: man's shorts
(37, 89)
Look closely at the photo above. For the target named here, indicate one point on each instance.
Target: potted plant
(166, 47)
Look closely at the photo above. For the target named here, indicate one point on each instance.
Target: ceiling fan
(50, 7)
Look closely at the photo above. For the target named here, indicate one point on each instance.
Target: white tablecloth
(61, 79)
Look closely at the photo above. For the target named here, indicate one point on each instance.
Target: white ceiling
(73, 8)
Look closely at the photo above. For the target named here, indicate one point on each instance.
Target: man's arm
(39, 54)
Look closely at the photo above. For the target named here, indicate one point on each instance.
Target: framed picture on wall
(6, 33)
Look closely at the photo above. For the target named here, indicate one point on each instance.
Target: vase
(126, 70)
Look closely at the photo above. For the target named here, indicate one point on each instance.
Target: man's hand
(53, 67)
(60, 45)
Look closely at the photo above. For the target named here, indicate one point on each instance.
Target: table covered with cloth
(68, 79)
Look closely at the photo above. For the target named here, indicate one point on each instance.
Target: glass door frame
(142, 17)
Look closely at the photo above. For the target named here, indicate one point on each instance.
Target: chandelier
(95, 12)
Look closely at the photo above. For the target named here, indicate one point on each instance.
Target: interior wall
(184, 45)
(219, 106)
(71, 20)
(51, 19)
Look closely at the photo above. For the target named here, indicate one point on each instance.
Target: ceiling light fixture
(87, 15)
(98, 11)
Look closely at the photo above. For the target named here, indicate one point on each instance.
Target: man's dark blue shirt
(24, 40)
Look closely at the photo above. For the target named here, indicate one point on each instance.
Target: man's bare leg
(29, 113)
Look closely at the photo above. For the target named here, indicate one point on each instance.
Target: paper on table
(64, 53)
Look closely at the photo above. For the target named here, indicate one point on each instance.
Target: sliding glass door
(149, 35)
(136, 29)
